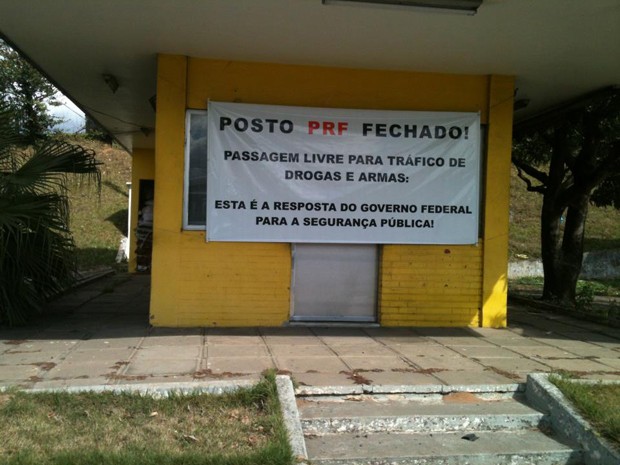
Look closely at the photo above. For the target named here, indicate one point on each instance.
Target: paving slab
(305, 364)
(544, 352)
(456, 362)
(420, 350)
(85, 370)
(283, 350)
(176, 340)
(241, 365)
(517, 341)
(490, 351)
(30, 357)
(575, 364)
(362, 350)
(169, 366)
(243, 340)
(63, 383)
(110, 343)
(515, 365)
(613, 363)
(288, 340)
(237, 350)
(18, 372)
(479, 377)
(157, 353)
(374, 362)
(476, 341)
(93, 355)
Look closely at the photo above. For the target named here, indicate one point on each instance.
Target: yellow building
(147, 70)
(198, 283)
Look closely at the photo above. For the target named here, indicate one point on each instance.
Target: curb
(286, 394)
(567, 422)
(155, 390)
(407, 389)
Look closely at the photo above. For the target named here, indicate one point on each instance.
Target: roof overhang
(557, 49)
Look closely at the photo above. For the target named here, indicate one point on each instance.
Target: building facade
(200, 283)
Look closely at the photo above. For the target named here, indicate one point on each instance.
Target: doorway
(334, 282)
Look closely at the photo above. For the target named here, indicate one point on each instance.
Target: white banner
(298, 174)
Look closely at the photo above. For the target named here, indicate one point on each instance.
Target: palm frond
(37, 253)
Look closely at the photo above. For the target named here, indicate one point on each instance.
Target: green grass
(602, 227)
(597, 287)
(598, 403)
(242, 428)
(99, 220)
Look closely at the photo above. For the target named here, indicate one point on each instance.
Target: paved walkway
(99, 335)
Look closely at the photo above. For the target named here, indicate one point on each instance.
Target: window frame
(186, 171)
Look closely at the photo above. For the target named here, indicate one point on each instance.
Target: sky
(73, 117)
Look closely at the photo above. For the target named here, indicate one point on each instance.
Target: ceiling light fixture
(469, 7)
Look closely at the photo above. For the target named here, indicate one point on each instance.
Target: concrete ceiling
(557, 49)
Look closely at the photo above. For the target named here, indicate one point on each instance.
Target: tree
(37, 257)
(26, 94)
(570, 155)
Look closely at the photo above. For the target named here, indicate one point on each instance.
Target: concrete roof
(557, 49)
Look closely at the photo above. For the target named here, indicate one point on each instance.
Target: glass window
(195, 197)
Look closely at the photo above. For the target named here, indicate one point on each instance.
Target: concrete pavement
(99, 334)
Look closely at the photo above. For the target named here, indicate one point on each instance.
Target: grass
(598, 403)
(242, 428)
(602, 227)
(598, 287)
(99, 220)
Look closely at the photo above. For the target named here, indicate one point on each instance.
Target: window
(195, 184)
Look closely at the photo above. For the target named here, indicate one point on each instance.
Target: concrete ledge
(567, 422)
(286, 394)
(156, 390)
(407, 389)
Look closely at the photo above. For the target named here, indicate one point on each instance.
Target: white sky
(73, 117)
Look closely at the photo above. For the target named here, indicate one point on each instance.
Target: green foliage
(579, 151)
(36, 248)
(585, 296)
(26, 94)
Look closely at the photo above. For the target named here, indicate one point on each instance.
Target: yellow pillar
(497, 202)
(169, 161)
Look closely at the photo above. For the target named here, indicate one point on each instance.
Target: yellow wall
(430, 285)
(142, 167)
(237, 284)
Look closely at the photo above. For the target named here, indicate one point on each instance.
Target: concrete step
(398, 413)
(525, 447)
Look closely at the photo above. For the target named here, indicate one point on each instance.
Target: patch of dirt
(356, 377)
(461, 398)
(119, 364)
(504, 373)
(16, 342)
(45, 366)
